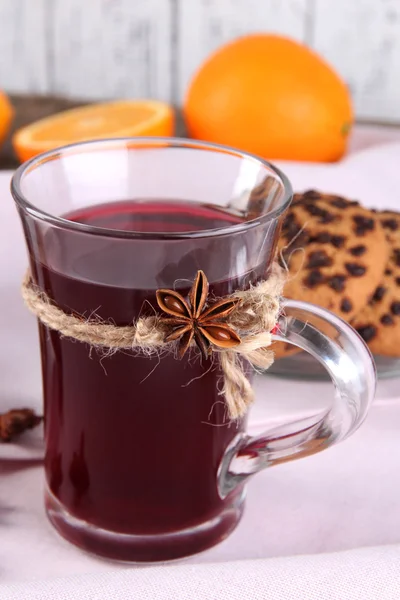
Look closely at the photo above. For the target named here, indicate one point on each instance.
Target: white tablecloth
(365, 574)
(343, 499)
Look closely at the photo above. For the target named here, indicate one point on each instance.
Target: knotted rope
(254, 318)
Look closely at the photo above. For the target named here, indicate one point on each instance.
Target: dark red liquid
(133, 443)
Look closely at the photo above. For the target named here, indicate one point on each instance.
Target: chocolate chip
(363, 224)
(388, 272)
(337, 283)
(379, 293)
(395, 308)
(346, 305)
(290, 227)
(391, 224)
(311, 195)
(368, 332)
(288, 219)
(338, 241)
(397, 280)
(339, 202)
(313, 279)
(319, 258)
(324, 215)
(322, 238)
(396, 253)
(362, 221)
(355, 269)
(358, 250)
(386, 320)
(315, 210)
(327, 218)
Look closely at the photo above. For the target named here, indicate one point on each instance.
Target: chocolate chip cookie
(379, 322)
(336, 252)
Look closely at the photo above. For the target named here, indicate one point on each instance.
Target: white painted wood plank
(204, 25)
(362, 40)
(23, 49)
(112, 48)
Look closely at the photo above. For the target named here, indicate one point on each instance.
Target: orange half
(93, 122)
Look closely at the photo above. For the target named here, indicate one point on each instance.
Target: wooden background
(93, 49)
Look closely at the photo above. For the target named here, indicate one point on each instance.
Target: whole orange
(271, 96)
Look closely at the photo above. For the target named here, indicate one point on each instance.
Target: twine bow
(251, 322)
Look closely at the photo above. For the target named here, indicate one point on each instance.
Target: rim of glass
(174, 142)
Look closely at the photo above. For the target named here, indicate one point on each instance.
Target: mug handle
(347, 359)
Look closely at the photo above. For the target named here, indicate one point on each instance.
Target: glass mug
(141, 462)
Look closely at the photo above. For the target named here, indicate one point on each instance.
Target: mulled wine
(134, 443)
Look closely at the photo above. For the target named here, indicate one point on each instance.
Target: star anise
(15, 422)
(192, 320)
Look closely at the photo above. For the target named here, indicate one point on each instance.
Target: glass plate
(304, 366)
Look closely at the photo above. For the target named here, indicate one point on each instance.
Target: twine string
(254, 319)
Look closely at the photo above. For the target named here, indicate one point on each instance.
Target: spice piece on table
(14, 422)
